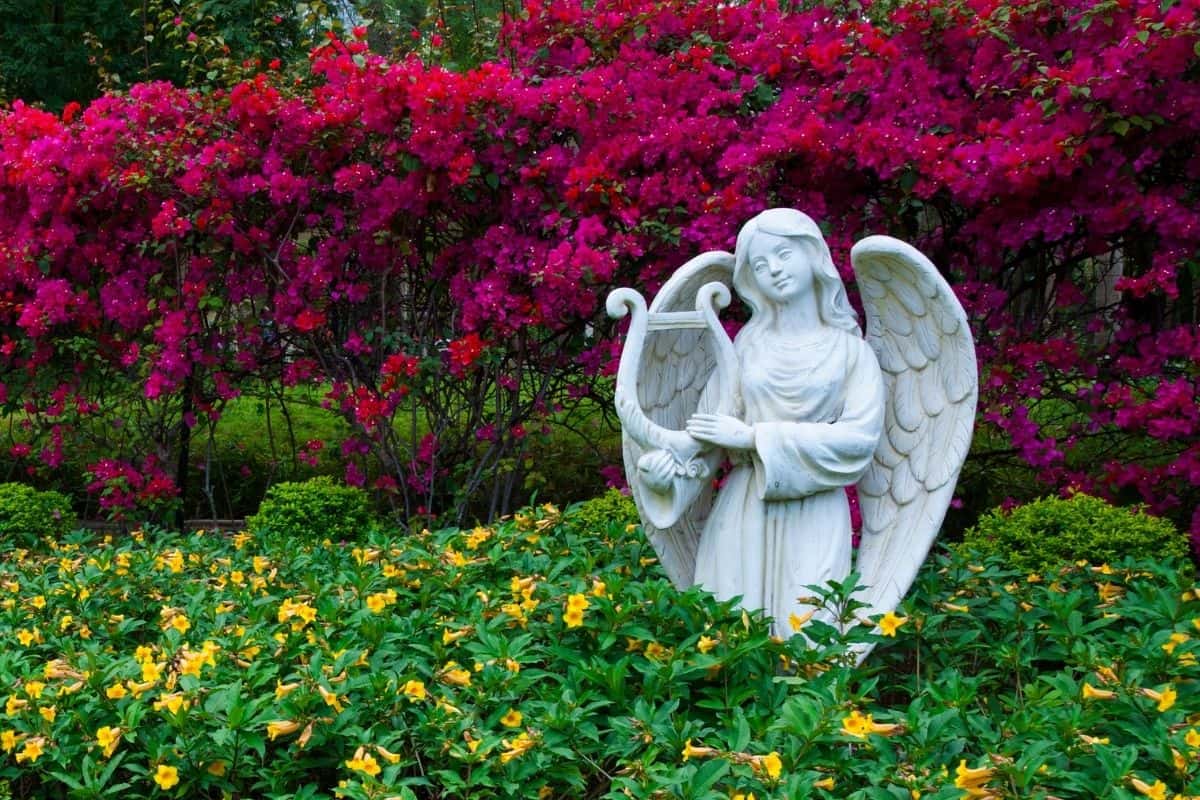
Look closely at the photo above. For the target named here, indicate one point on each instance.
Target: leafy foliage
(611, 509)
(293, 510)
(1046, 534)
(60, 53)
(540, 657)
(27, 515)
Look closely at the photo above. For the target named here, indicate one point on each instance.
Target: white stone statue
(802, 406)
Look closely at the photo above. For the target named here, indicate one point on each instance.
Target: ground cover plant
(434, 247)
(548, 656)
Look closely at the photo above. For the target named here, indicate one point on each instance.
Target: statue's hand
(657, 470)
(721, 430)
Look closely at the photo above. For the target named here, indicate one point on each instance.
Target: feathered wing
(920, 334)
(676, 368)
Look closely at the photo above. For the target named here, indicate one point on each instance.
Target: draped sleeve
(795, 459)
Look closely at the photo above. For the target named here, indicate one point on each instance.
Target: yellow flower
(58, 669)
(516, 747)
(578, 601)
(1193, 738)
(770, 764)
(598, 588)
(330, 698)
(388, 755)
(15, 704)
(860, 725)
(166, 776)
(143, 654)
(180, 623)
(691, 751)
(1110, 592)
(1165, 699)
(656, 651)
(33, 750)
(363, 762)
(27, 637)
(454, 675)
(151, 671)
(108, 738)
(34, 689)
(477, 537)
(967, 778)
(573, 617)
(38, 602)
(1175, 640)
(48, 713)
(415, 690)
(798, 621)
(173, 703)
(1093, 740)
(216, 768)
(282, 690)
(8, 740)
(450, 637)
(1092, 693)
(889, 623)
(825, 783)
(515, 611)
(281, 727)
(512, 719)
(1156, 792)
(706, 643)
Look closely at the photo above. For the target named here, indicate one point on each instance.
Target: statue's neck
(798, 315)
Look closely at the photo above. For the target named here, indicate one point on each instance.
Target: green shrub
(533, 658)
(26, 514)
(314, 509)
(611, 509)
(1045, 534)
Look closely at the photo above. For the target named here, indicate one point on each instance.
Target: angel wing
(677, 365)
(920, 335)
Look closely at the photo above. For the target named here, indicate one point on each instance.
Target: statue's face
(781, 267)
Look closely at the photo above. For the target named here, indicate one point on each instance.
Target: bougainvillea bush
(434, 247)
(548, 656)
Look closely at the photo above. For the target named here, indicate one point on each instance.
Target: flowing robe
(781, 522)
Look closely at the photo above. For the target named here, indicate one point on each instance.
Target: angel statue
(802, 406)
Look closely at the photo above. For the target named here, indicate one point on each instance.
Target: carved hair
(832, 306)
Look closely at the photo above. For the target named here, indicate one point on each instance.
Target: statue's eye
(759, 266)
(785, 255)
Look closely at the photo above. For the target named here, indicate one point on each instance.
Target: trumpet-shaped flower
(364, 762)
(33, 749)
(515, 748)
(166, 776)
(281, 727)
(108, 739)
(890, 622)
(972, 778)
(1092, 693)
(1164, 700)
(1155, 791)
